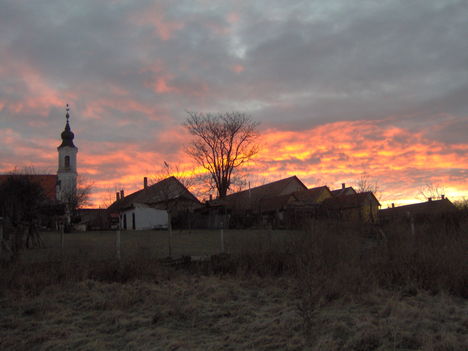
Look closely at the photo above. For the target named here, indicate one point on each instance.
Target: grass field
(151, 243)
(279, 290)
(188, 312)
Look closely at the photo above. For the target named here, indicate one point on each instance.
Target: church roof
(67, 134)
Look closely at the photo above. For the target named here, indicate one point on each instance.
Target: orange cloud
(399, 160)
(38, 95)
(343, 151)
(330, 154)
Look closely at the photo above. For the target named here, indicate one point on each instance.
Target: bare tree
(431, 191)
(366, 184)
(79, 198)
(173, 194)
(21, 201)
(222, 143)
(186, 176)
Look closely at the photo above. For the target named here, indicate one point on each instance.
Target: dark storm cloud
(388, 58)
(130, 70)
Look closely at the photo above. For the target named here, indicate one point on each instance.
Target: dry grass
(150, 243)
(190, 312)
(331, 288)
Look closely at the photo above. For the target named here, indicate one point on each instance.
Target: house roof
(275, 203)
(48, 182)
(350, 201)
(343, 191)
(428, 207)
(168, 189)
(312, 195)
(255, 197)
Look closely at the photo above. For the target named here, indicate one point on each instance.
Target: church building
(66, 173)
(59, 187)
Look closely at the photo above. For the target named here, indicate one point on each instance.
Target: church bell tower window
(67, 162)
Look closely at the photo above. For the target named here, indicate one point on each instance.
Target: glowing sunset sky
(340, 88)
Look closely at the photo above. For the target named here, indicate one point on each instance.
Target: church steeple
(67, 165)
(67, 134)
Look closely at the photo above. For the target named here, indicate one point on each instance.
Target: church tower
(66, 174)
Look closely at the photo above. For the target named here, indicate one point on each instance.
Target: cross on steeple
(67, 115)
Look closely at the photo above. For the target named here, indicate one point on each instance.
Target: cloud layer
(341, 89)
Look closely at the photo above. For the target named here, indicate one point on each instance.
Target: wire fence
(155, 244)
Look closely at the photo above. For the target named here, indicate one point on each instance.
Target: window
(67, 161)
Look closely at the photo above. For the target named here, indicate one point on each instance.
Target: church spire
(67, 134)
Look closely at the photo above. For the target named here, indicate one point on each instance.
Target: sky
(342, 89)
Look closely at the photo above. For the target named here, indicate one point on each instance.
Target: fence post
(222, 237)
(62, 236)
(270, 234)
(117, 244)
(169, 226)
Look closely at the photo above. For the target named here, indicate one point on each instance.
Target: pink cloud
(238, 68)
(155, 17)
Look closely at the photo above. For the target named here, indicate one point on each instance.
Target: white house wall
(145, 218)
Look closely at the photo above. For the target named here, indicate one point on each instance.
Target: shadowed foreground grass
(330, 288)
(189, 312)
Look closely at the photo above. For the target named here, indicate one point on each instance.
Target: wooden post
(117, 244)
(169, 227)
(62, 236)
(1, 229)
(222, 237)
(270, 234)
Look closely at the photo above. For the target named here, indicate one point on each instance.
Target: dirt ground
(189, 312)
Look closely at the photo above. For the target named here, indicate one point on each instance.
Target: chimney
(117, 196)
(393, 205)
(145, 182)
(122, 194)
(442, 196)
(429, 199)
(343, 185)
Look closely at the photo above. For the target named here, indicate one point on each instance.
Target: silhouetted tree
(366, 184)
(21, 200)
(222, 143)
(432, 191)
(78, 198)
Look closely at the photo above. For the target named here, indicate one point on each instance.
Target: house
(92, 219)
(245, 208)
(357, 207)
(314, 195)
(419, 211)
(152, 206)
(344, 190)
(293, 209)
(148, 217)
